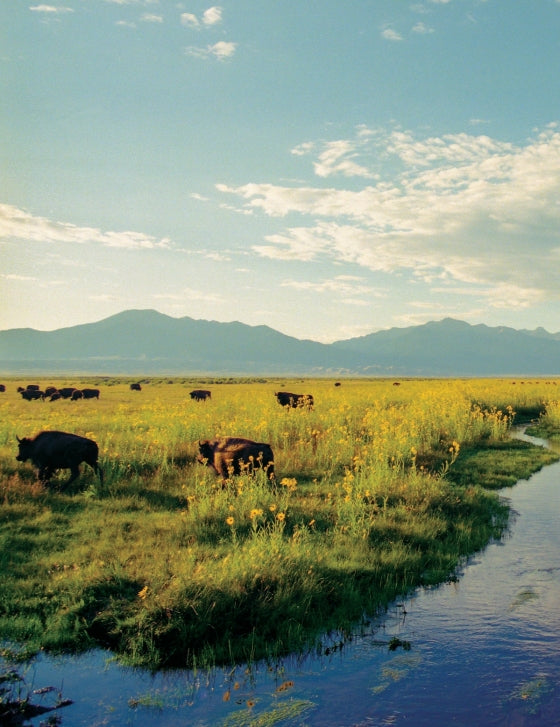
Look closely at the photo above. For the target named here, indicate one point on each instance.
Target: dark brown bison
(76, 394)
(33, 387)
(50, 390)
(235, 455)
(2, 387)
(90, 393)
(67, 392)
(200, 394)
(135, 387)
(56, 396)
(50, 451)
(32, 394)
(285, 398)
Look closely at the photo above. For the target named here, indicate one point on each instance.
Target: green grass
(379, 491)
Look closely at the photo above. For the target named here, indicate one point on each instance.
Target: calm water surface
(484, 651)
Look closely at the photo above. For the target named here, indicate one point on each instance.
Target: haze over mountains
(147, 342)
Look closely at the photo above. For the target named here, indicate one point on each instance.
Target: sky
(327, 168)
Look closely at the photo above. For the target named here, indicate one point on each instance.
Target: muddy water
(484, 651)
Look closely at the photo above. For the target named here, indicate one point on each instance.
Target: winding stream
(483, 651)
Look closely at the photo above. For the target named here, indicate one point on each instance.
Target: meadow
(382, 487)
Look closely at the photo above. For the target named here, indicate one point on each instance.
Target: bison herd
(50, 451)
(33, 392)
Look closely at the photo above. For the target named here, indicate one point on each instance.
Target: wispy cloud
(211, 16)
(220, 50)
(50, 9)
(469, 209)
(17, 224)
(151, 18)
(390, 34)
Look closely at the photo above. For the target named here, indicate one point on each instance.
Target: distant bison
(90, 393)
(33, 387)
(76, 394)
(285, 398)
(56, 396)
(67, 392)
(135, 387)
(32, 394)
(2, 387)
(200, 394)
(235, 455)
(50, 451)
(50, 390)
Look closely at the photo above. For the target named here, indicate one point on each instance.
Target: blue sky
(326, 168)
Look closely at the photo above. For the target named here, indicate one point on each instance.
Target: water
(483, 651)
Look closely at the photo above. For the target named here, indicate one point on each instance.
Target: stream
(484, 651)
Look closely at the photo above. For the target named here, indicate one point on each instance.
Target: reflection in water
(483, 651)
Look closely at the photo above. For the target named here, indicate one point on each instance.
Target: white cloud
(469, 209)
(390, 34)
(13, 276)
(422, 29)
(220, 50)
(51, 9)
(342, 285)
(18, 224)
(151, 18)
(212, 16)
(338, 157)
(189, 19)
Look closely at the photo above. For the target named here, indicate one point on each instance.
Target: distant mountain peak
(149, 342)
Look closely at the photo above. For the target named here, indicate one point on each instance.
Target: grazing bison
(67, 392)
(76, 394)
(32, 394)
(50, 390)
(2, 387)
(285, 398)
(234, 455)
(135, 387)
(33, 387)
(90, 393)
(50, 451)
(56, 396)
(200, 394)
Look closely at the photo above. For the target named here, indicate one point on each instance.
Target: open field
(165, 566)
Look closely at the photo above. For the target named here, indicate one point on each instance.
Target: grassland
(380, 489)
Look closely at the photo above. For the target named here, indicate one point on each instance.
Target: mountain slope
(145, 341)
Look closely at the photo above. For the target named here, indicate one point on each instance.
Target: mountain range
(147, 342)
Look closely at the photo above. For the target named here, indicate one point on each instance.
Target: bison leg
(74, 474)
(44, 474)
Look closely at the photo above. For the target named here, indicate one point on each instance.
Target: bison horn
(19, 440)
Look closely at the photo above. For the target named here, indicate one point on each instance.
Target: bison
(90, 393)
(50, 390)
(51, 450)
(32, 394)
(76, 394)
(200, 394)
(135, 387)
(234, 455)
(285, 398)
(2, 387)
(56, 396)
(67, 392)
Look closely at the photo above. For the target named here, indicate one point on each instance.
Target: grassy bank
(161, 564)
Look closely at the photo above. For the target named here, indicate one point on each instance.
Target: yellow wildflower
(230, 520)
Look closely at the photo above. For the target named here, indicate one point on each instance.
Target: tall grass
(165, 566)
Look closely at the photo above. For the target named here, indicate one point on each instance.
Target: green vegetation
(380, 488)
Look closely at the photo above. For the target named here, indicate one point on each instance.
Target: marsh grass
(378, 490)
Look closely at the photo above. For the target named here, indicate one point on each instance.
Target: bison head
(24, 449)
(206, 453)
